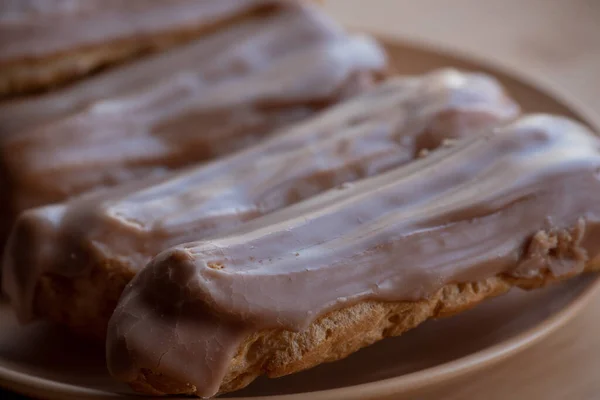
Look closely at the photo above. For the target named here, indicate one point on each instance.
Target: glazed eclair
(51, 42)
(69, 262)
(316, 281)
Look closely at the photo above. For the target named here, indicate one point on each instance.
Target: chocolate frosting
(476, 209)
(249, 45)
(292, 67)
(31, 29)
(380, 129)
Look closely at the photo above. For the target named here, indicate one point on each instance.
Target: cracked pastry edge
(338, 334)
(28, 76)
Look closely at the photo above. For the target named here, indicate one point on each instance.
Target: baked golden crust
(275, 353)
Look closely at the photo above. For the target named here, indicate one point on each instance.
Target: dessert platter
(275, 196)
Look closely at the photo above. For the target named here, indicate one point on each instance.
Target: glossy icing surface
(383, 128)
(246, 46)
(518, 200)
(297, 62)
(30, 29)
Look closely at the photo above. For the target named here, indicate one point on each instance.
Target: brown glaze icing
(380, 129)
(484, 206)
(247, 46)
(184, 118)
(31, 29)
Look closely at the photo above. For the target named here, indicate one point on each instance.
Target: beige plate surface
(44, 361)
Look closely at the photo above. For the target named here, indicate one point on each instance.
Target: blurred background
(557, 41)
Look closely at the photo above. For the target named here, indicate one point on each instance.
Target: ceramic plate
(44, 361)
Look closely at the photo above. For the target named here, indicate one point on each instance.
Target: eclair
(219, 97)
(70, 262)
(183, 119)
(225, 54)
(47, 43)
(316, 281)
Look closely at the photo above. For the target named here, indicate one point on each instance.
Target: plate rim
(21, 383)
(452, 369)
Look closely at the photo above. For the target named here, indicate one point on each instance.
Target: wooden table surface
(558, 41)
